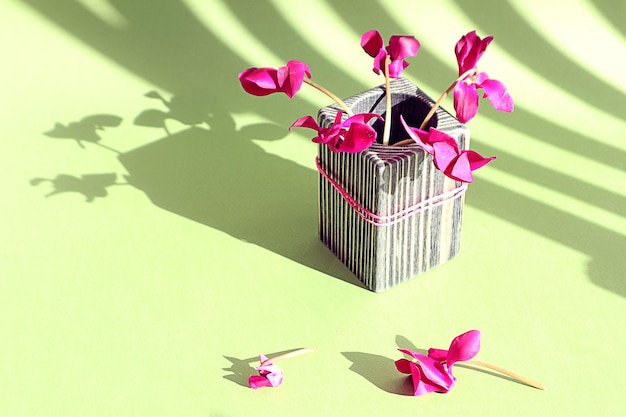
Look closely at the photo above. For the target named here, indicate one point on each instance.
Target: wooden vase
(387, 213)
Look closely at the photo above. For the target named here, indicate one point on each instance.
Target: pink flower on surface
(454, 163)
(399, 47)
(352, 135)
(428, 375)
(263, 81)
(433, 373)
(270, 375)
(468, 51)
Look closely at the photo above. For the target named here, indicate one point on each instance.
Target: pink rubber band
(388, 220)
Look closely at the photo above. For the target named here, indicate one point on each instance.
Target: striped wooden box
(387, 213)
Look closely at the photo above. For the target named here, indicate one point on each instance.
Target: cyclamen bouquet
(355, 133)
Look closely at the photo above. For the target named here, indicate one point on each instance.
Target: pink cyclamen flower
(433, 373)
(428, 375)
(454, 163)
(399, 47)
(263, 81)
(270, 375)
(353, 135)
(468, 51)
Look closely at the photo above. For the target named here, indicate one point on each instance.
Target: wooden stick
(329, 94)
(437, 104)
(288, 355)
(508, 373)
(387, 127)
(443, 96)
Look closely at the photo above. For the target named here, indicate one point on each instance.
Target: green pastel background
(182, 241)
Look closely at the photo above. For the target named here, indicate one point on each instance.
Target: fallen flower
(352, 135)
(454, 163)
(428, 374)
(271, 375)
(433, 372)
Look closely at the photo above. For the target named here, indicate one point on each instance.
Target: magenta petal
(379, 61)
(476, 160)
(359, 118)
(464, 347)
(433, 376)
(270, 375)
(419, 387)
(258, 381)
(439, 136)
(459, 169)
(465, 101)
(300, 68)
(275, 378)
(421, 384)
(396, 68)
(282, 76)
(444, 154)
(291, 76)
(469, 49)
(411, 353)
(403, 366)
(401, 47)
(306, 121)
(418, 135)
(437, 354)
(498, 95)
(372, 42)
(359, 137)
(259, 81)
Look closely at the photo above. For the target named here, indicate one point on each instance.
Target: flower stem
(434, 108)
(288, 355)
(329, 94)
(508, 373)
(387, 127)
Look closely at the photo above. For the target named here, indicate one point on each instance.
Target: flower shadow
(89, 185)
(380, 371)
(218, 176)
(86, 129)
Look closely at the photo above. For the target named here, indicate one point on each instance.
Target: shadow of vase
(220, 178)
